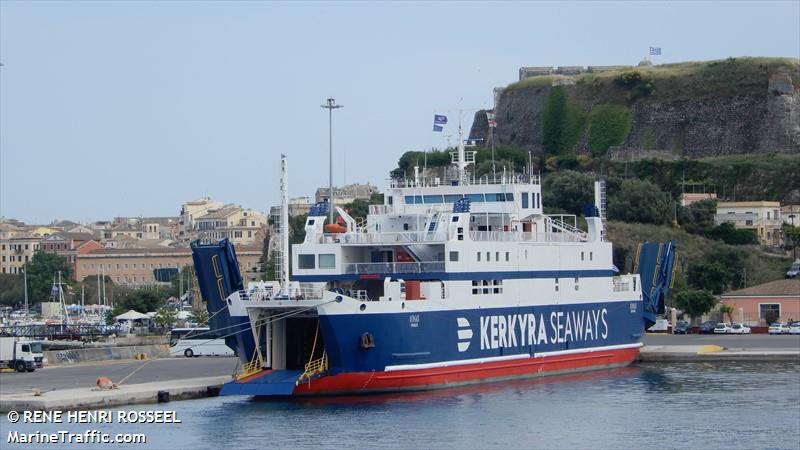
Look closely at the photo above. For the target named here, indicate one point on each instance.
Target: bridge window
(452, 198)
(431, 199)
(475, 198)
(327, 261)
(305, 261)
(509, 197)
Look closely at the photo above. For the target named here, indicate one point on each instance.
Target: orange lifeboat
(335, 228)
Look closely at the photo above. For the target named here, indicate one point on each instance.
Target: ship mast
(285, 227)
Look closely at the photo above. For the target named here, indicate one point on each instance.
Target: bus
(197, 342)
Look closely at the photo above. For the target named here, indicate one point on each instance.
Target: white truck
(20, 354)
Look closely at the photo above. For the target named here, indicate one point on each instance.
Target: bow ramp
(655, 263)
(266, 383)
(218, 277)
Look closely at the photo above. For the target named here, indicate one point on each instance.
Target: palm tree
(727, 309)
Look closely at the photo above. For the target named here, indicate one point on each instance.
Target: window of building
(582, 256)
(590, 256)
(497, 256)
(764, 308)
(454, 256)
(488, 256)
(479, 256)
(525, 200)
(305, 261)
(508, 256)
(327, 261)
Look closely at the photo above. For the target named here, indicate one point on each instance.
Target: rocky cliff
(698, 109)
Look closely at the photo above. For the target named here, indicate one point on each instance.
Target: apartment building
(135, 267)
(762, 217)
(241, 226)
(190, 211)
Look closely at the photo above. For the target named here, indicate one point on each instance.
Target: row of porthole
(363, 306)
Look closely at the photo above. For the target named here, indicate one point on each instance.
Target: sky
(132, 108)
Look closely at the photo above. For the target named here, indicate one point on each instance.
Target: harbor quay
(73, 386)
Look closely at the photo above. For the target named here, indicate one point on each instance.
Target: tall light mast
(330, 106)
(285, 227)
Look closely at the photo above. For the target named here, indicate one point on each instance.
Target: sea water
(681, 405)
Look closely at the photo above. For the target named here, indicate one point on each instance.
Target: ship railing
(515, 178)
(303, 293)
(393, 267)
(402, 237)
(518, 236)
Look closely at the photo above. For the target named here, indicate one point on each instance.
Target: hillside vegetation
(697, 109)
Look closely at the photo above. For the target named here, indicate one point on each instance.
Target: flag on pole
(437, 128)
(54, 290)
(439, 119)
(490, 119)
(655, 50)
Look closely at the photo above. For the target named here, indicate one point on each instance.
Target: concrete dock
(132, 394)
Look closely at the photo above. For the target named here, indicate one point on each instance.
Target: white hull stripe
(587, 350)
(463, 362)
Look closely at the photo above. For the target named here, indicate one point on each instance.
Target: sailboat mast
(26, 290)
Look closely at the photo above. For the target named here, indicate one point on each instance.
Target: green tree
(695, 303)
(166, 317)
(199, 316)
(698, 218)
(42, 269)
(358, 209)
(608, 125)
(12, 289)
(297, 228)
(792, 235)
(729, 234)
(568, 190)
(640, 201)
(141, 300)
(709, 276)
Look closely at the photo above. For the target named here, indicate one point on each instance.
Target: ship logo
(464, 334)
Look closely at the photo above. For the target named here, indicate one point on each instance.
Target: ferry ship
(449, 282)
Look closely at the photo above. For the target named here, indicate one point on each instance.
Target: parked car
(682, 327)
(708, 327)
(794, 270)
(739, 328)
(722, 328)
(794, 328)
(779, 328)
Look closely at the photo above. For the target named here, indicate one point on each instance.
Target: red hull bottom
(444, 377)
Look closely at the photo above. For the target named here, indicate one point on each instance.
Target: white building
(762, 217)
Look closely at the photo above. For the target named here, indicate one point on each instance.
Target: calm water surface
(731, 405)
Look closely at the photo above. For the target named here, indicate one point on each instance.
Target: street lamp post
(330, 106)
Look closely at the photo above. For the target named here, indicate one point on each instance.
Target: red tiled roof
(787, 287)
